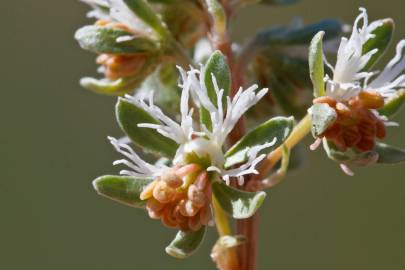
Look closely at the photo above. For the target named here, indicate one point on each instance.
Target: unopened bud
(326, 100)
(371, 99)
(163, 193)
(196, 196)
(172, 179)
(148, 191)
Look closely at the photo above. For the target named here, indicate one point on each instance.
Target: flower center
(200, 151)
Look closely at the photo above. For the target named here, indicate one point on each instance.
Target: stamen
(346, 169)
(316, 144)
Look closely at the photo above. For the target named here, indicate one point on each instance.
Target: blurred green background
(53, 143)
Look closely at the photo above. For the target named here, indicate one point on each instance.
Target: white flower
(203, 142)
(349, 77)
(117, 11)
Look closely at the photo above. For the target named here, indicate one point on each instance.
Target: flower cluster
(356, 94)
(180, 194)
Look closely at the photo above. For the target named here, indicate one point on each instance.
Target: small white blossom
(117, 11)
(349, 77)
(139, 167)
(203, 142)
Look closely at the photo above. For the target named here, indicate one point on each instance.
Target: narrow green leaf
(323, 117)
(122, 189)
(382, 38)
(388, 154)
(237, 203)
(316, 66)
(100, 39)
(279, 128)
(394, 104)
(144, 12)
(129, 116)
(217, 66)
(185, 243)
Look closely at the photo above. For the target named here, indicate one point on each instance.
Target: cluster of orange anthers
(117, 66)
(180, 198)
(356, 125)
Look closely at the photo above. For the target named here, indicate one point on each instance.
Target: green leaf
(217, 66)
(185, 243)
(388, 154)
(237, 203)
(100, 39)
(205, 118)
(108, 87)
(122, 189)
(144, 12)
(383, 35)
(394, 104)
(323, 117)
(129, 116)
(316, 66)
(278, 127)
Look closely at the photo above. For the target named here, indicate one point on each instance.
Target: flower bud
(196, 196)
(163, 193)
(148, 191)
(172, 179)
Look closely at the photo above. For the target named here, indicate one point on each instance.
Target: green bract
(388, 154)
(216, 66)
(185, 243)
(394, 104)
(100, 39)
(323, 117)
(144, 12)
(278, 127)
(383, 35)
(122, 189)
(129, 116)
(316, 66)
(239, 204)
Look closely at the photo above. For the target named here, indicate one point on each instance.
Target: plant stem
(301, 130)
(223, 228)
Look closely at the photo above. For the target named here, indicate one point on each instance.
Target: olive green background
(53, 143)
